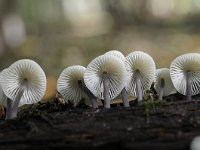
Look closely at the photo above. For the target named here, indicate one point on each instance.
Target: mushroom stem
(125, 98)
(138, 86)
(106, 90)
(9, 108)
(189, 85)
(152, 98)
(16, 102)
(93, 99)
(162, 84)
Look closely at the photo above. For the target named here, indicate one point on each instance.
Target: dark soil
(170, 126)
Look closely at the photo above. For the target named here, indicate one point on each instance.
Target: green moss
(150, 104)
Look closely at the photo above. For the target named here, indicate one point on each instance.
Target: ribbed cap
(28, 72)
(67, 84)
(143, 62)
(115, 70)
(178, 69)
(117, 54)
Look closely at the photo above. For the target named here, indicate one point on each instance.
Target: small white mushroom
(24, 83)
(142, 68)
(71, 85)
(163, 83)
(185, 74)
(6, 102)
(195, 144)
(124, 93)
(2, 95)
(105, 77)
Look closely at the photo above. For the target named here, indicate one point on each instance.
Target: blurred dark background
(60, 33)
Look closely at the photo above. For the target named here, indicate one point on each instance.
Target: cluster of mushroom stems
(113, 75)
(106, 77)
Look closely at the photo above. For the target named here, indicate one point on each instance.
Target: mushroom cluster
(106, 77)
(113, 75)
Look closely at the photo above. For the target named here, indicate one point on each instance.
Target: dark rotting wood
(55, 125)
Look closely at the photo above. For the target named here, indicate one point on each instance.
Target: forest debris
(34, 130)
(59, 98)
(91, 112)
(2, 112)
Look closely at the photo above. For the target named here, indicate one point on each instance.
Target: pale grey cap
(67, 84)
(195, 144)
(178, 69)
(120, 56)
(29, 70)
(143, 62)
(117, 54)
(164, 73)
(115, 70)
(3, 97)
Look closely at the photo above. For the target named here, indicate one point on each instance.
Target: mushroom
(24, 82)
(195, 144)
(163, 83)
(124, 93)
(142, 69)
(105, 77)
(2, 97)
(72, 87)
(6, 102)
(185, 74)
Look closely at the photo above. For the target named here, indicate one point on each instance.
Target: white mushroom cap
(67, 83)
(179, 67)
(116, 53)
(164, 73)
(120, 56)
(195, 144)
(143, 62)
(3, 97)
(29, 71)
(115, 70)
